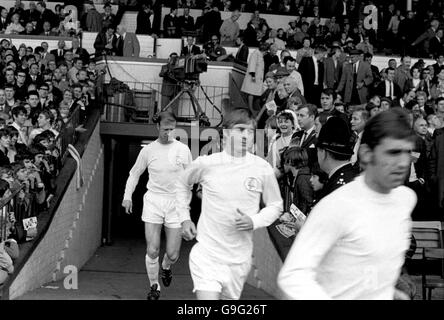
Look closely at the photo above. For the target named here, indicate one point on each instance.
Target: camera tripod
(187, 87)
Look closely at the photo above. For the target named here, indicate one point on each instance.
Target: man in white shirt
(165, 159)
(352, 245)
(233, 183)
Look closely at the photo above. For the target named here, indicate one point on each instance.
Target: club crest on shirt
(252, 184)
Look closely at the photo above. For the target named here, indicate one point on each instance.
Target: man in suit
(242, 52)
(355, 80)
(46, 56)
(59, 53)
(186, 22)
(190, 48)
(45, 15)
(170, 24)
(388, 88)
(306, 137)
(127, 44)
(368, 57)
(312, 73)
(79, 52)
(104, 42)
(31, 14)
(436, 44)
(3, 19)
(333, 69)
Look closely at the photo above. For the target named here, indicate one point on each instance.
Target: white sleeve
(271, 196)
(135, 172)
(321, 231)
(184, 184)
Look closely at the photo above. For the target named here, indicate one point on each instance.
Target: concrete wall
(75, 231)
(266, 264)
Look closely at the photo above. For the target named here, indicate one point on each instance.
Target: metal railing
(148, 98)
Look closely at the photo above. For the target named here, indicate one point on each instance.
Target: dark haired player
(353, 244)
(233, 183)
(164, 158)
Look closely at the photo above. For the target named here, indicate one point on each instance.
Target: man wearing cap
(356, 78)
(229, 30)
(353, 244)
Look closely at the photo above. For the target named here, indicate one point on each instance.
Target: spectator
(414, 83)
(333, 68)
(305, 51)
(402, 73)
(365, 46)
(356, 80)
(190, 48)
(4, 145)
(436, 45)
(19, 116)
(273, 39)
(425, 38)
(186, 23)
(143, 20)
(358, 120)
(104, 42)
(93, 19)
(229, 29)
(59, 53)
(14, 27)
(108, 18)
(388, 88)
(253, 81)
(312, 72)
(79, 52)
(271, 58)
(127, 44)
(243, 51)
(250, 34)
(406, 32)
(170, 24)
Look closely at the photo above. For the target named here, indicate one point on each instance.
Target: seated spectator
(190, 48)
(29, 30)
(14, 27)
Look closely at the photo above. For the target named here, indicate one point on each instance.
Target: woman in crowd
(253, 81)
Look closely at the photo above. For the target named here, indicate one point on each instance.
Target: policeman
(334, 150)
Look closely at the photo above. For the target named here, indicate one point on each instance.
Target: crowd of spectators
(43, 95)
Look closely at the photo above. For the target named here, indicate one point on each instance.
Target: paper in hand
(297, 214)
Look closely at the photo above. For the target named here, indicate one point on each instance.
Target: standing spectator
(212, 23)
(358, 120)
(169, 83)
(143, 20)
(127, 44)
(186, 22)
(317, 32)
(254, 78)
(356, 80)
(104, 42)
(93, 19)
(229, 30)
(108, 18)
(4, 21)
(250, 34)
(79, 52)
(46, 15)
(170, 24)
(271, 58)
(425, 38)
(333, 68)
(402, 73)
(305, 51)
(31, 14)
(436, 46)
(312, 73)
(407, 32)
(243, 51)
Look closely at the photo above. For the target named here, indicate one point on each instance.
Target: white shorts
(208, 274)
(160, 209)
